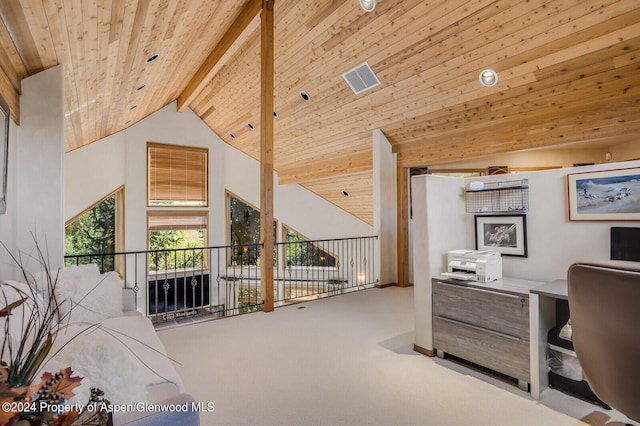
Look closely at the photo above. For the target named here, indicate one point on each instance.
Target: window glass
(244, 233)
(300, 252)
(176, 241)
(94, 232)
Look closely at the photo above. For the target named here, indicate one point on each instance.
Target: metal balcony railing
(182, 284)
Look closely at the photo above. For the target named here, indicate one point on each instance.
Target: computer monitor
(625, 243)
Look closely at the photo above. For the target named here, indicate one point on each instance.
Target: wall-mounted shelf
(498, 197)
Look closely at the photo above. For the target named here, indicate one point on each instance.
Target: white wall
(93, 172)
(40, 167)
(438, 226)
(385, 208)
(229, 169)
(553, 241)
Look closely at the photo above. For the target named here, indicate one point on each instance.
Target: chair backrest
(604, 304)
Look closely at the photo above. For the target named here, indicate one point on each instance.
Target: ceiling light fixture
(345, 193)
(305, 96)
(368, 5)
(133, 107)
(139, 88)
(152, 58)
(232, 135)
(251, 126)
(488, 78)
(275, 114)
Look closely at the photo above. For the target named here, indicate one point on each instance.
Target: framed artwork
(506, 234)
(4, 153)
(605, 195)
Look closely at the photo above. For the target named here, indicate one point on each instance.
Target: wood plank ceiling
(569, 72)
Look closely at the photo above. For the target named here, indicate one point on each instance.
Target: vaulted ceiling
(569, 71)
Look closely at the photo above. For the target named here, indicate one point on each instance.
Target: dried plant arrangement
(30, 324)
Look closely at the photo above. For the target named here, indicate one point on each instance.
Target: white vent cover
(361, 78)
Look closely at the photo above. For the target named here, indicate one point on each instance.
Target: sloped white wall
(229, 169)
(93, 172)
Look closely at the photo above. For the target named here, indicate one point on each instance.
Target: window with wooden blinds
(177, 175)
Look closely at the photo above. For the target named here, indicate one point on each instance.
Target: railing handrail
(121, 253)
(194, 281)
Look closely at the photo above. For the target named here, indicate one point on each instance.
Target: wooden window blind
(177, 175)
(161, 221)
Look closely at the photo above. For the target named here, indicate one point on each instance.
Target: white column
(40, 167)
(384, 208)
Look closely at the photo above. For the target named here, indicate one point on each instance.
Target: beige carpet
(348, 360)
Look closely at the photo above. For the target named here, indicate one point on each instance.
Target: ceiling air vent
(361, 78)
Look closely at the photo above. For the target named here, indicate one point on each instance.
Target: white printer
(475, 265)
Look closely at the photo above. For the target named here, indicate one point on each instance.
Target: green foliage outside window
(245, 234)
(94, 232)
(303, 253)
(170, 257)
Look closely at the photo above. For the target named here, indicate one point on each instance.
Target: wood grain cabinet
(486, 327)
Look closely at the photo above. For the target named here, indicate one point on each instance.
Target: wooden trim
(457, 170)
(532, 169)
(11, 95)
(266, 153)
(403, 226)
(120, 222)
(208, 68)
(424, 351)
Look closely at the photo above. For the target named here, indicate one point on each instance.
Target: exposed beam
(10, 95)
(403, 226)
(266, 153)
(225, 48)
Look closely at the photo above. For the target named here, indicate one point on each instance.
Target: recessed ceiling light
(368, 5)
(305, 96)
(345, 193)
(251, 126)
(152, 58)
(275, 114)
(232, 135)
(139, 88)
(488, 78)
(133, 107)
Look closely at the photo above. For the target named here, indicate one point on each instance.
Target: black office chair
(604, 302)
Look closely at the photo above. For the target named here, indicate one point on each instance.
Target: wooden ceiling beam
(10, 95)
(246, 22)
(434, 150)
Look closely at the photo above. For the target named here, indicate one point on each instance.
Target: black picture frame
(506, 234)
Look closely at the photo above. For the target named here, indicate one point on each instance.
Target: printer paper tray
(459, 275)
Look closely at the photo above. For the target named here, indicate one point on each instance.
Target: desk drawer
(500, 352)
(500, 312)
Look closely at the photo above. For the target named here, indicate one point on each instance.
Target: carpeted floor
(348, 360)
